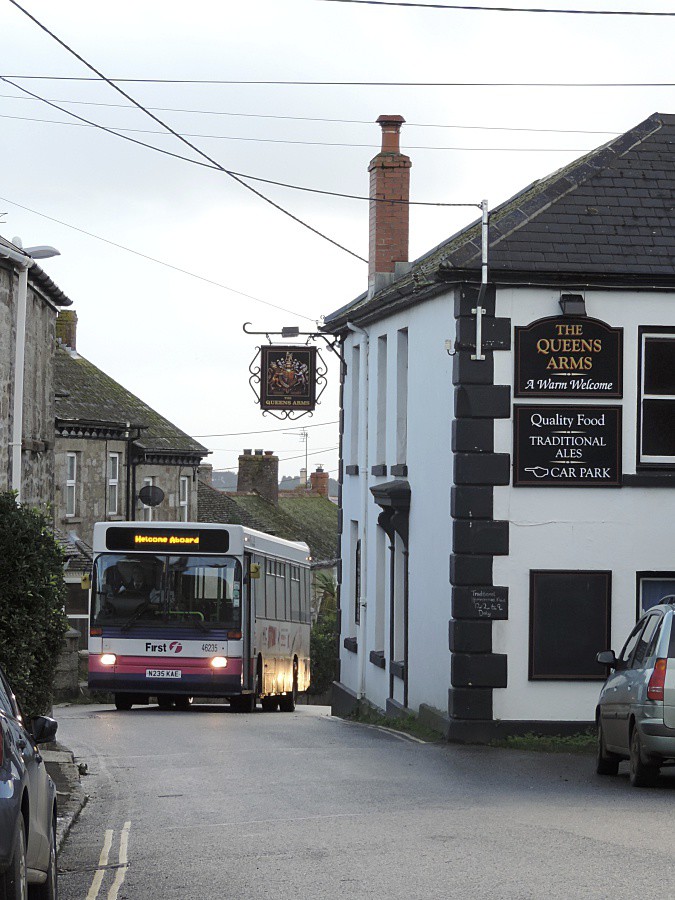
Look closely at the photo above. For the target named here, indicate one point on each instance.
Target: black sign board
(287, 377)
(178, 541)
(567, 446)
(568, 356)
(489, 602)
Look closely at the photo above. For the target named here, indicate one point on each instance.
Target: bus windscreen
(188, 590)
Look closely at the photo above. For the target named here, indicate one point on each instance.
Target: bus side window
(270, 589)
(295, 593)
(281, 590)
(258, 585)
(306, 617)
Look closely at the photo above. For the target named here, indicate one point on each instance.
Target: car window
(631, 643)
(6, 704)
(646, 640)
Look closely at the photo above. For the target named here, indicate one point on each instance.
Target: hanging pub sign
(567, 446)
(287, 377)
(568, 356)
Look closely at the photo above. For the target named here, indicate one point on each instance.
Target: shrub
(32, 596)
(323, 651)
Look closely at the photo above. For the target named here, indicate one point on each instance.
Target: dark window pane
(658, 428)
(569, 624)
(77, 600)
(659, 366)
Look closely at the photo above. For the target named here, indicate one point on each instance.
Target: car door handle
(21, 744)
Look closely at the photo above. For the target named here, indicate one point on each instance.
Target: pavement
(70, 795)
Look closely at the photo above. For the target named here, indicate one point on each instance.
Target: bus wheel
(123, 701)
(243, 703)
(183, 703)
(287, 702)
(165, 702)
(269, 704)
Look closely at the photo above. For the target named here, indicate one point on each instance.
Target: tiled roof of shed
(85, 393)
(609, 214)
(312, 519)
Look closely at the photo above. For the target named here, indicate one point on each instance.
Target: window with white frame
(184, 498)
(657, 397)
(113, 483)
(71, 484)
(148, 481)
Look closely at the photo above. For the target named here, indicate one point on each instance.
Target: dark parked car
(636, 710)
(27, 805)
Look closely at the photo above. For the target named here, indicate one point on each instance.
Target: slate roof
(37, 277)
(313, 519)
(78, 555)
(606, 217)
(87, 396)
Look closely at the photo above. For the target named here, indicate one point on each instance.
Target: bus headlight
(218, 662)
(108, 659)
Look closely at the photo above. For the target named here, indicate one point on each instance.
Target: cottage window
(113, 483)
(184, 498)
(148, 510)
(71, 484)
(657, 398)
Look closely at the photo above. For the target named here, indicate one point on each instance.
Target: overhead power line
(214, 112)
(168, 128)
(154, 259)
(299, 83)
(264, 431)
(506, 9)
(227, 137)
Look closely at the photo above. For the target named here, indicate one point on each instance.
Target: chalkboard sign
(569, 624)
(486, 602)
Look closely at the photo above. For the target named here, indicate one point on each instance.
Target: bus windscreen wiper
(136, 615)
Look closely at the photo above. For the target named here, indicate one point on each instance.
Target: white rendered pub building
(507, 513)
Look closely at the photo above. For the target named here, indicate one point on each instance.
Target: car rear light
(657, 681)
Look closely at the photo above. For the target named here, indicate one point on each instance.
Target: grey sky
(178, 342)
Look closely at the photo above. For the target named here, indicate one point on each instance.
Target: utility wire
(264, 431)
(239, 175)
(160, 262)
(508, 9)
(213, 112)
(226, 137)
(159, 121)
(284, 459)
(297, 83)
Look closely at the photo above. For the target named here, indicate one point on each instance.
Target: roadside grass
(406, 724)
(583, 742)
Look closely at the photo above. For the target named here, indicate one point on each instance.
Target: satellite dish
(151, 495)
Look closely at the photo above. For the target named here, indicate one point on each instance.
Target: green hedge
(323, 652)
(32, 597)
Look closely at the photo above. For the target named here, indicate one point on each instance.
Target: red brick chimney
(319, 481)
(389, 180)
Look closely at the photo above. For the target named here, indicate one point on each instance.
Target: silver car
(635, 715)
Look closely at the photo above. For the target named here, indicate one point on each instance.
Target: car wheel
(14, 880)
(48, 890)
(270, 704)
(641, 774)
(123, 701)
(243, 703)
(605, 763)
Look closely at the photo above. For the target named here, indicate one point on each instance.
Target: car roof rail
(668, 600)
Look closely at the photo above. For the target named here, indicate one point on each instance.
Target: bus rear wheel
(287, 701)
(123, 701)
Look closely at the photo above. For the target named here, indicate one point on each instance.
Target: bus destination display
(200, 540)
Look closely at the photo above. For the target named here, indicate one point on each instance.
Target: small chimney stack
(319, 481)
(259, 472)
(66, 328)
(389, 222)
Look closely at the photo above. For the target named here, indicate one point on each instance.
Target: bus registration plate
(163, 673)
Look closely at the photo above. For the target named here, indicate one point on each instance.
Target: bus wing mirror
(254, 571)
(85, 582)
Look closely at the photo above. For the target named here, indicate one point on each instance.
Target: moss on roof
(312, 519)
(85, 393)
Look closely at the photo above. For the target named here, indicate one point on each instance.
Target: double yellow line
(103, 864)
